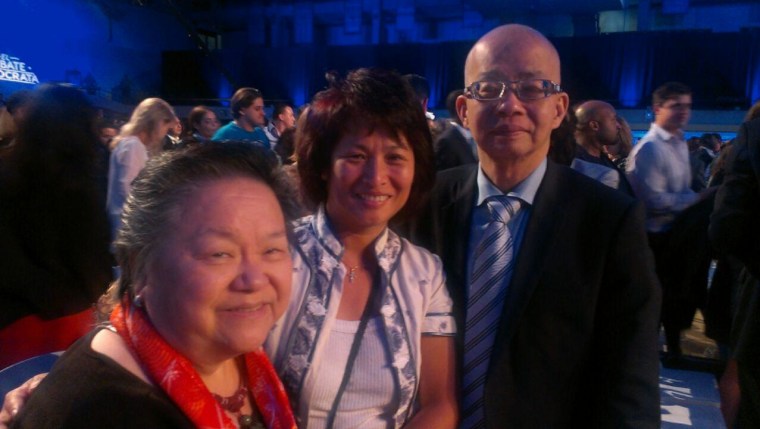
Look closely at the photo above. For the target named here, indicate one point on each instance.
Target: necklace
(352, 273)
(234, 403)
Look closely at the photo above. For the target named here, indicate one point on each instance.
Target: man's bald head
(590, 111)
(597, 125)
(513, 132)
(501, 43)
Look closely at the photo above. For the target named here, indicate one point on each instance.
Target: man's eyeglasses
(527, 89)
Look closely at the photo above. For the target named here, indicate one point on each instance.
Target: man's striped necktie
(491, 272)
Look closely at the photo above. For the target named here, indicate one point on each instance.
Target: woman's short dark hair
(367, 100)
(243, 98)
(169, 178)
(195, 117)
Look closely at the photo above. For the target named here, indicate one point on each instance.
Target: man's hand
(16, 398)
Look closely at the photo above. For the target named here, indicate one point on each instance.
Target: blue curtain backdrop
(723, 69)
(753, 68)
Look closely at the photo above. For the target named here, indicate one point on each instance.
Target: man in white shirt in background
(283, 118)
(659, 171)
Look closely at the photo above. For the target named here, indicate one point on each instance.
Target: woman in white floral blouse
(367, 340)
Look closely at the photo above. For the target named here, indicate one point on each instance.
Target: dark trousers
(660, 244)
(749, 384)
(746, 331)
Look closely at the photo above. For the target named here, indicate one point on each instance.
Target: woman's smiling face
(221, 278)
(369, 181)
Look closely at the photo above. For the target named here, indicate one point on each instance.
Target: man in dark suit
(454, 147)
(735, 230)
(573, 338)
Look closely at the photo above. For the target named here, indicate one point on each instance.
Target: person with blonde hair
(139, 139)
(753, 112)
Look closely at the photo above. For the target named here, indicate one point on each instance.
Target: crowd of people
(360, 264)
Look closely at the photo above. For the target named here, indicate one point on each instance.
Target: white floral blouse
(414, 302)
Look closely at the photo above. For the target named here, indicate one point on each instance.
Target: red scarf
(176, 376)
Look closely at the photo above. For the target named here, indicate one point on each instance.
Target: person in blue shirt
(247, 106)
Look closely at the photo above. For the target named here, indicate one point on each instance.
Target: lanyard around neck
(369, 312)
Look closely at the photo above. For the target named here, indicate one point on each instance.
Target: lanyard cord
(369, 311)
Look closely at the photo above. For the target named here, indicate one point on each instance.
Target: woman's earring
(138, 301)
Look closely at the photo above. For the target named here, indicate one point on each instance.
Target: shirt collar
(666, 135)
(326, 235)
(273, 129)
(525, 190)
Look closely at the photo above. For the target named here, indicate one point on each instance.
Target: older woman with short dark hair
(203, 124)
(206, 271)
(367, 340)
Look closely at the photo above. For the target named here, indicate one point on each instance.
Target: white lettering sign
(676, 392)
(13, 70)
(676, 414)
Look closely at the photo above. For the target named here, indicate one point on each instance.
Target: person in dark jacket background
(55, 258)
